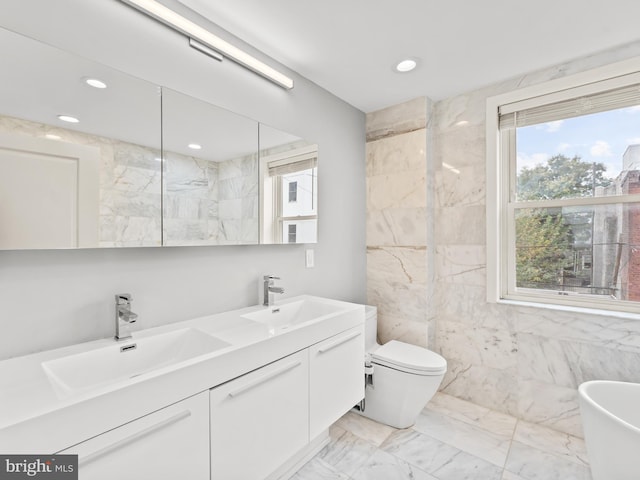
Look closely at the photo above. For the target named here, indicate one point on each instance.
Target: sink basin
(122, 360)
(280, 317)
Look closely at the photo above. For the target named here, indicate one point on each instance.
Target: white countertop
(36, 417)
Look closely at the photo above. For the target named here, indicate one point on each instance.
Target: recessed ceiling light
(52, 136)
(95, 83)
(194, 146)
(406, 65)
(462, 123)
(68, 118)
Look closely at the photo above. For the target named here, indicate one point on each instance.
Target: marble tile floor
(451, 440)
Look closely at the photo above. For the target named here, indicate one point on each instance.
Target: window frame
(500, 184)
(271, 193)
(279, 218)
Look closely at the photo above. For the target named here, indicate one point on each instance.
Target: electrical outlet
(309, 260)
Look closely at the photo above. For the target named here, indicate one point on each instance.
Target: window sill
(571, 309)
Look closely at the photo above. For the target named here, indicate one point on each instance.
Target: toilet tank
(370, 327)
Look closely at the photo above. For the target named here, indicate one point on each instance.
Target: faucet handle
(123, 298)
(271, 277)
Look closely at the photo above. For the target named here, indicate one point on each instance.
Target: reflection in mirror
(289, 188)
(79, 160)
(210, 173)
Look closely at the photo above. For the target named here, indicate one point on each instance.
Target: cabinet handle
(268, 376)
(133, 437)
(338, 342)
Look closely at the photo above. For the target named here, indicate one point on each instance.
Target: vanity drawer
(167, 444)
(260, 420)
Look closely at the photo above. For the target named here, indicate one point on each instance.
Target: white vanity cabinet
(259, 420)
(262, 420)
(336, 378)
(256, 409)
(169, 444)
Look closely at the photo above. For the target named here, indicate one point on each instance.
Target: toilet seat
(409, 358)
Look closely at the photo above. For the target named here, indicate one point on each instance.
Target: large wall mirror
(80, 161)
(210, 174)
(91, 157)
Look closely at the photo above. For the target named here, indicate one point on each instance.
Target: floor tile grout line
(436, 439)
(575, 459)
(376, 447)
(478, 428)
(473, 422)
(470, 421)
(413, 465)
(513, 436)
(564, 458)
(364, 462)
(571, 457)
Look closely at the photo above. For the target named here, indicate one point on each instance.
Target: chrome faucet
(270, 289)
(124, 316)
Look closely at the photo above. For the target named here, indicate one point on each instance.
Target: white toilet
(404, 377)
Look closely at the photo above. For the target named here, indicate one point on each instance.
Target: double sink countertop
(51, 400)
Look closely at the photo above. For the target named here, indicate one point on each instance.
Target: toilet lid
(404, 356)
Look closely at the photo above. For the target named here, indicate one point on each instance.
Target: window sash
(508, 150)
(508, 286)
(292, 233)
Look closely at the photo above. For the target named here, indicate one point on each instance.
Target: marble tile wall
(190, 200)
(130, 184)
(205, 202)
(130, 198)
(238, 201)
(397, 220)
(524, 361)
(211, 203)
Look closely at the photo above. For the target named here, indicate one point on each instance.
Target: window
(293, 192)
(564, 216)
(302, 209)
(292, 233)
(289, 195)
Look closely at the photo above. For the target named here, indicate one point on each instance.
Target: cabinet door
(260, 420)
(336, 378)
(169, 444)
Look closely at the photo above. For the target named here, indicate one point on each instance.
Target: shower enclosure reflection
(210, 187)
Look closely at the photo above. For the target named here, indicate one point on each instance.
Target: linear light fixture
(202, 48)
(193, 31)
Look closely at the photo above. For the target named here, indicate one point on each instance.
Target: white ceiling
(350, 46)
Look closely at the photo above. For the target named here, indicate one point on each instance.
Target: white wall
(55, 298)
